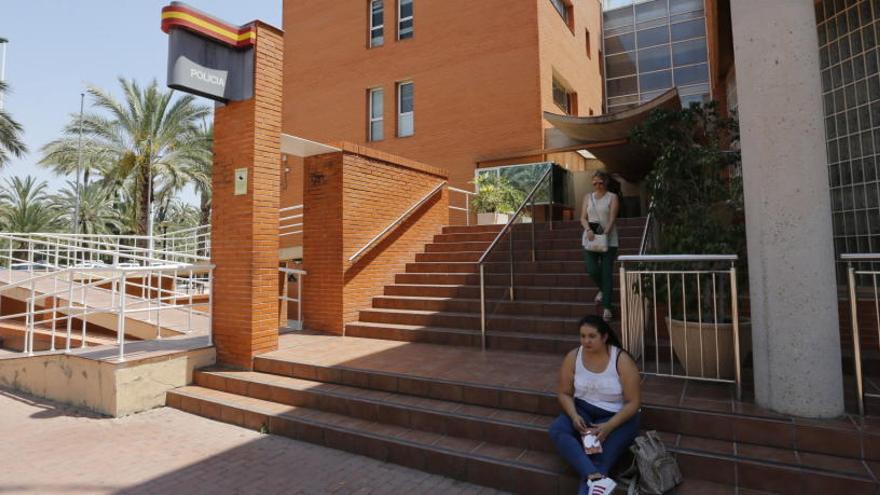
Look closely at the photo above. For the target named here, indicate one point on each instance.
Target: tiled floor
(48, 448)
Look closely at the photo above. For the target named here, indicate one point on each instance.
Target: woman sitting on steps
(599, 390)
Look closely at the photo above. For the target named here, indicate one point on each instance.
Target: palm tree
(10, 134)
(24, 206)
(97, 208)
(145, 140)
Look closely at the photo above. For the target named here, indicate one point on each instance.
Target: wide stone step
(533, 293)
(564, 225)
(499, 279)
(565, 267)
(523, 244)
(622, 233)
(483, 424)
(513, 469)
(509, 341)
(567, 325)
(472, 376)
(474, 256)
(456, 305)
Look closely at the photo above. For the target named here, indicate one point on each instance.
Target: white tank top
(602, 390)
(599, 210)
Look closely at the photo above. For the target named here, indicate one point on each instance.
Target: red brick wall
(245, 228)
(350, 197)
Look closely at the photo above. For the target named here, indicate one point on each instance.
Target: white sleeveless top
(599, 210)
(602, 390)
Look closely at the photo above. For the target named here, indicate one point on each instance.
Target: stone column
(788, 208)
(244, 238)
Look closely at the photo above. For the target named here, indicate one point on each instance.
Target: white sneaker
(606, 315)
(602, 486)
(598, 297)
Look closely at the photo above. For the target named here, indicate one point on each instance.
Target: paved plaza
(50, 448)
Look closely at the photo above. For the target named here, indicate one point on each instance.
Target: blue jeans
(568, 439)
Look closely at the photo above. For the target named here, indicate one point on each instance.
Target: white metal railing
(870, 295)
(688, 303)
(69, 280)
(467, 202)
(391, 226)
(194, 240)
(290, 221)
(298, 275)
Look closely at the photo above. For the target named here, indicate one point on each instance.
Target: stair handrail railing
(530, 198)
(154, 299)
(852, 273)
(400, 219)
(467, 203)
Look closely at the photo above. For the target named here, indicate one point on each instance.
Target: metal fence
(680, 316)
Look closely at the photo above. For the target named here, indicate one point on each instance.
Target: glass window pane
(688, 30)
(376, 102)
(651, 10)
(618, 18)
(695, 89)
(621, 65)
(615, 4)
(620, 87)
(651, 95)
(406, 29)
(621, 43)
(405, 125)
(679, 6)
(406, 97)
(651, 37)
(691, 75)
(654, 58)
(697, 98)
(406, 8)
(689, 52)
(623, 100)
(560, 7)
(655, 80)
(376, 130)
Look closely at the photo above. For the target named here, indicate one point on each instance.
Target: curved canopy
(607, 136)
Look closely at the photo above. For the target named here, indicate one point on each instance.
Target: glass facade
(652, 46)
(848, 55)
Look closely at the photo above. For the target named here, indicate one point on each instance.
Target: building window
(377, 114)
(589, 48)
(564, 99)
(377, 23)
(565, 11)
(404, 19)
(405, 109)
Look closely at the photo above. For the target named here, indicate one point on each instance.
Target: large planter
(699, 362)
(492, 218)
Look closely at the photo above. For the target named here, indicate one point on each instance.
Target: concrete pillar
(244, 237)
(795, 331)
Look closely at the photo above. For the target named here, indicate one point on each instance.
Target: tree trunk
(143, 197)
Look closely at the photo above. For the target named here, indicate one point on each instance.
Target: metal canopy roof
(607, 136)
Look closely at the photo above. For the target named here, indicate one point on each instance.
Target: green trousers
(600, 267)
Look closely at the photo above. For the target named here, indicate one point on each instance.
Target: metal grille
(848, 58)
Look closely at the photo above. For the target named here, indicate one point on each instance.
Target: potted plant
(697, 206)
(496, 199)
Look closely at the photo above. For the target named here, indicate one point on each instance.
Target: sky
(59, 47)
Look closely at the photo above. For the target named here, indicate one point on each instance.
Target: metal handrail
(854, 318)
(676, 257)
(529, 198)
(396, 222)
(516, 214)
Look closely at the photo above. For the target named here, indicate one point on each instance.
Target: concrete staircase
(437, 298)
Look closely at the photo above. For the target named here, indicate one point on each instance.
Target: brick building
(452, 84)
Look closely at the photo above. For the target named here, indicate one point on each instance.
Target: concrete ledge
(94, 379)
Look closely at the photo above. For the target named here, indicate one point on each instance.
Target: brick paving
(50, 448)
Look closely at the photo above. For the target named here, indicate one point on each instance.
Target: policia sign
(208, 57)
